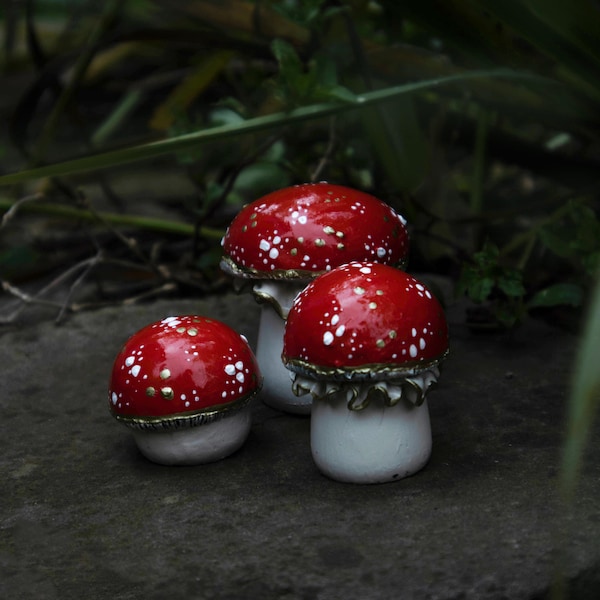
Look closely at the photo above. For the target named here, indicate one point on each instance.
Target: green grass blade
(277, 120)
(121, 220)
(575, 65)
(584, 399)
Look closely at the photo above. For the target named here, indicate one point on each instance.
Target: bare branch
(87, 268)
(12, 211)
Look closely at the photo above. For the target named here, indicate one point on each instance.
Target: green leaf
(510, 282)
(339, 92)
(565, 294)
(479, 289)
(487, 257)
(289, 62)
(261, 177)
(555, 243)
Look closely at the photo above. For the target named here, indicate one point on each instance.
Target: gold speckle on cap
(150, 391)
(165, 374)
(167, 393)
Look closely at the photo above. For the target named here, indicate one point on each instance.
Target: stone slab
(84, 515)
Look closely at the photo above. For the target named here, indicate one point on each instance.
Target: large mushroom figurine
(183, 386)
(283, 240)
(365, 341)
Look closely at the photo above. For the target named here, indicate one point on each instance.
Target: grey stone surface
(84, 515)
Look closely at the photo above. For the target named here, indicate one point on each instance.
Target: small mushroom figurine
(365, 341)
(183, 385)
(283, 240)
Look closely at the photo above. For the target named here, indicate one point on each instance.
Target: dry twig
(12, 211)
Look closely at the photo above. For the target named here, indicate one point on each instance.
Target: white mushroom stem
(277, 298)
(370, 431)
(375, 445)
(198, 444)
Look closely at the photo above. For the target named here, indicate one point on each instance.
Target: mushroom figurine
(366, 341)
(283, 240)
(183, 386)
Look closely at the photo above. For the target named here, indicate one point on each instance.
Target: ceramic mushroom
(285, 239)
(183, 386)
(365, 341)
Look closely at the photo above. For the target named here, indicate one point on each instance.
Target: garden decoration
(366, 341)
(183, 385)
(283, 240)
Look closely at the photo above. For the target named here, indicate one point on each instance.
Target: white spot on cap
(302, 220)
(239, 376)
(230, 369)
(413, 351)
(327, 338)
(414, 332)
(239, 365)
(335, 319)
(129, 360)
(273, 253)
(422, 344)
(264, 245)
(171, 321)
(114, 398)
(380, 252)
(340, 330)
(135, 371)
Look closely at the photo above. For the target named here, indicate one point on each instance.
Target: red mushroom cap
(183, 370)
(364, 321)
(304, 230)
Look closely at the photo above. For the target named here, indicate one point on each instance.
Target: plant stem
(262, 123)
(532, 232)
(479, 155)
(137, 221)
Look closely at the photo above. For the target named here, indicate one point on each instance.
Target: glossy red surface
(312, 228)
(365, 314)
(181, 365)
